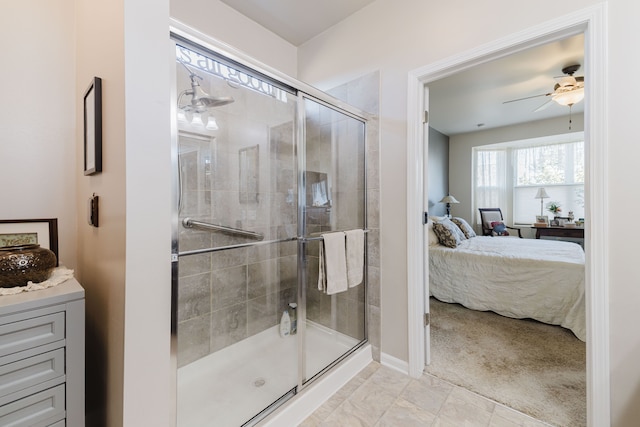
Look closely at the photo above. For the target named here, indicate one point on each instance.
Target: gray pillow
(448, 233)
(464, 226)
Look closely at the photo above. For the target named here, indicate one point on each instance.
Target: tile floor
(382, 397)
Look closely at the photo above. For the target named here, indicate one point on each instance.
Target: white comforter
(519, 278)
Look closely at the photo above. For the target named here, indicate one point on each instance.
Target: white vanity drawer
(24, 334)
(38, 410)
(31, 371)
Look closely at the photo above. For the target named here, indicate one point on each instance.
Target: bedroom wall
(438, 173)
(461, 155)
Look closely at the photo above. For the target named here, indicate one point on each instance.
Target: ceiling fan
(568, 91)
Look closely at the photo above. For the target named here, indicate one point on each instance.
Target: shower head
(200, 101)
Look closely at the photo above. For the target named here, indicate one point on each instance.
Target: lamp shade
(449, 199)
(541, 194)
(197, 120)
(211, 123)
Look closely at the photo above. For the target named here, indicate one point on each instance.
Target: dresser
(42, 358)
(573, 232)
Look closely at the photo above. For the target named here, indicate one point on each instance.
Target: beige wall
(148, 199)
(624, 174)
(396, 40)
(37, 121)
(216, 19)
(101, 251)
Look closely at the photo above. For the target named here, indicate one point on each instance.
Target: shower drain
(259, 382)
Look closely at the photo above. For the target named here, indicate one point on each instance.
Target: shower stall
(263, 169)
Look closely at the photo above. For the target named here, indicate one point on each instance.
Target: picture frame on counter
(542, 219)
(44, 232)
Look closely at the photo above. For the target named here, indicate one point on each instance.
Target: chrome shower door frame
(304, 237)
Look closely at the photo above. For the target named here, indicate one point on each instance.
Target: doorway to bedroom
(594, 148)
(481, 304)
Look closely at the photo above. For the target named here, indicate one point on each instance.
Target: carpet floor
(535, 368)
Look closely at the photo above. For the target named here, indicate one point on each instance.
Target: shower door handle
(189, 223)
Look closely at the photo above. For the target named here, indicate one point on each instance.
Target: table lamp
(448, 199)
(541, 194)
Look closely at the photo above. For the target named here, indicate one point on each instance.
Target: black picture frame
(93, 127)
(44, 231)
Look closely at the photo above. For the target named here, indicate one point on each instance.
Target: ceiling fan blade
(543, 106)
(528, 97)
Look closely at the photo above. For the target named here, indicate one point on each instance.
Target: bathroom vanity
(42, 357)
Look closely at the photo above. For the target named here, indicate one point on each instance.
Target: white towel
(332, 275)
(355, 256)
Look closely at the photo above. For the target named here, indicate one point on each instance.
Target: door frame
(592, 22)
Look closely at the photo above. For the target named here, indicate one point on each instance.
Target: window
(559, 168)
(508, 175)
(490, 179)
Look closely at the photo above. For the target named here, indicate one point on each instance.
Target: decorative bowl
(22, 264)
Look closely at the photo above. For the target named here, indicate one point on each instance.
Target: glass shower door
(332, 199)
(237, 224)
(263, 171)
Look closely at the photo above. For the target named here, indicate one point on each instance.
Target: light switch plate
(92, 210)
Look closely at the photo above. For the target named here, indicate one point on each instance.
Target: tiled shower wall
(227, 296)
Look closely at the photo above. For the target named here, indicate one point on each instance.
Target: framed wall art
(43, 232)
(93, 127)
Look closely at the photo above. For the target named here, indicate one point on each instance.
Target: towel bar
(317, 236)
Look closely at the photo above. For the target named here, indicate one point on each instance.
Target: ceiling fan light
(568, 81)
(570, 97)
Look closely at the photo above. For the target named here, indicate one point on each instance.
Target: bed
(518, 278)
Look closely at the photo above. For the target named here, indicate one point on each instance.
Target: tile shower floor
(382, 397)
(230, 386)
